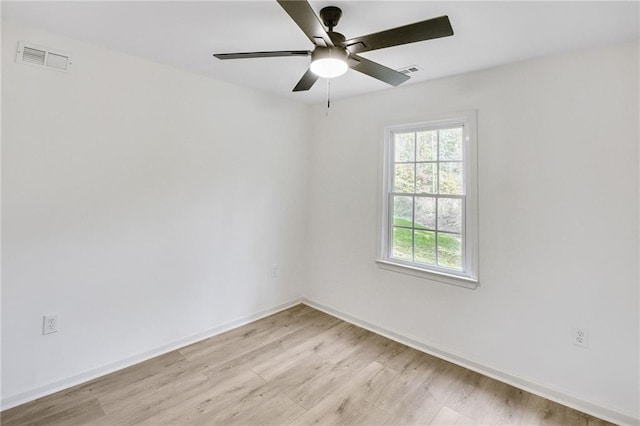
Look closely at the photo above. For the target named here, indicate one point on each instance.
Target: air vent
(410, 69)
(33, 56)
(43, 57)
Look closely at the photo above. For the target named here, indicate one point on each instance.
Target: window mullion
(413, 198)
(436, 231)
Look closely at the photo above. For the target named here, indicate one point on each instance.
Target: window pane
(425, 212)
(425, 247)
(450, 215)
(427, 146)
(450, 178)
(402, 243)
(450, 251)
(451, 144)
(404, 146)
(426, 178)
(403, 211)
(404, 178)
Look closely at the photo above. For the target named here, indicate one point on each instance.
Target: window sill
(428, 275)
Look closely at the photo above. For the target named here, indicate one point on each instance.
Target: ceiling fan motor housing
(336, 52)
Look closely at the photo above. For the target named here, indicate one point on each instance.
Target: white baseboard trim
(543, 390)
(48, 389)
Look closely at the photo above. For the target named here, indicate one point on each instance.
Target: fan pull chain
(328, 95)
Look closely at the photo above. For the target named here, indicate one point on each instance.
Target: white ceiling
(186, 34)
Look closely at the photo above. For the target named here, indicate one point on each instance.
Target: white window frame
(468, 277)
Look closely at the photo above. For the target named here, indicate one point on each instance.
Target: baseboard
(39, 392)
(543, 390)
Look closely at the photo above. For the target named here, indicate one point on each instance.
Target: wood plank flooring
(297, 367)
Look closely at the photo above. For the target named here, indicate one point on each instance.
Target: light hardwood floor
(299, 366)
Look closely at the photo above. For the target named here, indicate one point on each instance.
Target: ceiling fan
(333, 54)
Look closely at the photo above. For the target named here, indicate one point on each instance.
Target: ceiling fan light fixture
(329, 62)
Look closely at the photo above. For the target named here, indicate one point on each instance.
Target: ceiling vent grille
(43, 57)
(410, 69)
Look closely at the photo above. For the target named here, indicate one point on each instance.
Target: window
(430, 199)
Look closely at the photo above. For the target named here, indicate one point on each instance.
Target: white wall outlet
(274, 271)
(49, 324)
(580, 337)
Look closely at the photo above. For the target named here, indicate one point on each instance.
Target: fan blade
(420, 31)
(304, 16)
(378, 71)
(306, 81)
(262, 54)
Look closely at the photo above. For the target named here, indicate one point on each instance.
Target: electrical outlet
(274, 271)
(49, 324)
(580, 337)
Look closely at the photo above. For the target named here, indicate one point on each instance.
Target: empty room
(296, 212)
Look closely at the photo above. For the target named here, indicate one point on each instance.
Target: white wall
(558, 190)
(141, 203)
